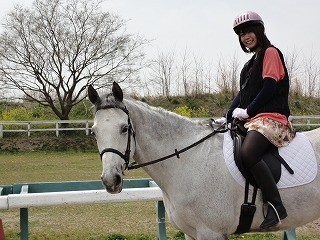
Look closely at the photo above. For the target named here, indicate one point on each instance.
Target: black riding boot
(265, 181)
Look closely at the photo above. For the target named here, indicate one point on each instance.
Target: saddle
(273, 160)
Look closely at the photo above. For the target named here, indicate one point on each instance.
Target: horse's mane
(108, 101)
(161, 111)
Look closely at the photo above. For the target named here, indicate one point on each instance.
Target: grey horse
(200, 196)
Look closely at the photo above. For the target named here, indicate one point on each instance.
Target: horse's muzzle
(114, 186)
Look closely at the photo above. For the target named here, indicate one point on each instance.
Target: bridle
(126, 155)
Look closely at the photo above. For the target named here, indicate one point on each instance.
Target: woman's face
(249, 40)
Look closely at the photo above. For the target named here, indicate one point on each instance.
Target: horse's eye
(124, 129)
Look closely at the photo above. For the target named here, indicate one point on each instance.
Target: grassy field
(131, 221)
(98, 221)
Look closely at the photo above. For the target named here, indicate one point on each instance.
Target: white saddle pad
(299, 155)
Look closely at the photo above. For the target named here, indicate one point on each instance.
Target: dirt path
(310, 227)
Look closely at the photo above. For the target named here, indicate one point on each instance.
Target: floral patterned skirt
(277, 133)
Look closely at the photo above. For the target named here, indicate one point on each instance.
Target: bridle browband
(126, 156)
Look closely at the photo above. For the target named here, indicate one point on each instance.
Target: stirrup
(271, 205)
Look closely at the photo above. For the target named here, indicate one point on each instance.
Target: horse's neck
(162, 127)
(158, 134)
(161, 121)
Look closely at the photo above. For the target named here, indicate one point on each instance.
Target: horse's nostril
(117, 179)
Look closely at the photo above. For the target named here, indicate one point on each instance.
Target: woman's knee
(253, 148)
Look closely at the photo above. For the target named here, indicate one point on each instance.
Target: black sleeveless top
(251, 83)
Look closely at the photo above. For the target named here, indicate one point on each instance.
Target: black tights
(253, 148)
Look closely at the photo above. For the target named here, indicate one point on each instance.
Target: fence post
(87, 128)
(289, 234)
(161, 221)
(29, 127)
(24, 222)
(57, 129)
(24, 228)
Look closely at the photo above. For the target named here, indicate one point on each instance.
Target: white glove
(220, 121)
(240, 113)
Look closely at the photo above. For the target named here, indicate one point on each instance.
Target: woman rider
(262, 103)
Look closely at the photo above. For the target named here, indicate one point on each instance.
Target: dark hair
(262, 39)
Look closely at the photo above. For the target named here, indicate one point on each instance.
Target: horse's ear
(117, 92)
(93, 94)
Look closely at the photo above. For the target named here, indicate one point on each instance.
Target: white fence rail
(28, 200)
(25, 200)
(308, 120)
(44, 126)
(85, 125)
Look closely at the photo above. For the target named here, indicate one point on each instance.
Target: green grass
(77, 221)
(48, 167)
(130, 221)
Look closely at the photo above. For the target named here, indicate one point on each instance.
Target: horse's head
(114, 134)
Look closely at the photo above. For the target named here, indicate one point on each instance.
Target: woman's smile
(249, 40)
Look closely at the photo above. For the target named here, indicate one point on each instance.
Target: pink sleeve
(272, 65)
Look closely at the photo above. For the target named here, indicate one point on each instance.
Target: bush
(16, 114)
(200, 112)
(183, 111)
(189, 112)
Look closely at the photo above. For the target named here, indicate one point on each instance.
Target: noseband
(126, 155)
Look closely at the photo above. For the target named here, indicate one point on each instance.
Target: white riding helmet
(246, 19)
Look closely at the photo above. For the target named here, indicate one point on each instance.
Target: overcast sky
(204, 27)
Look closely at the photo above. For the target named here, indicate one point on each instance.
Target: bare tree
(198, 76)
(294, 72)
(234, 75)
(227, 76)
(291, 60)
(163, 72)
(195, 74)
(191, 75)
(312, 76)
(222, 78)
(208, 78)
(52, 51)
(184, 73)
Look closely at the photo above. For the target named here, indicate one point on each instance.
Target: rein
(126, 156)
(222, 129)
